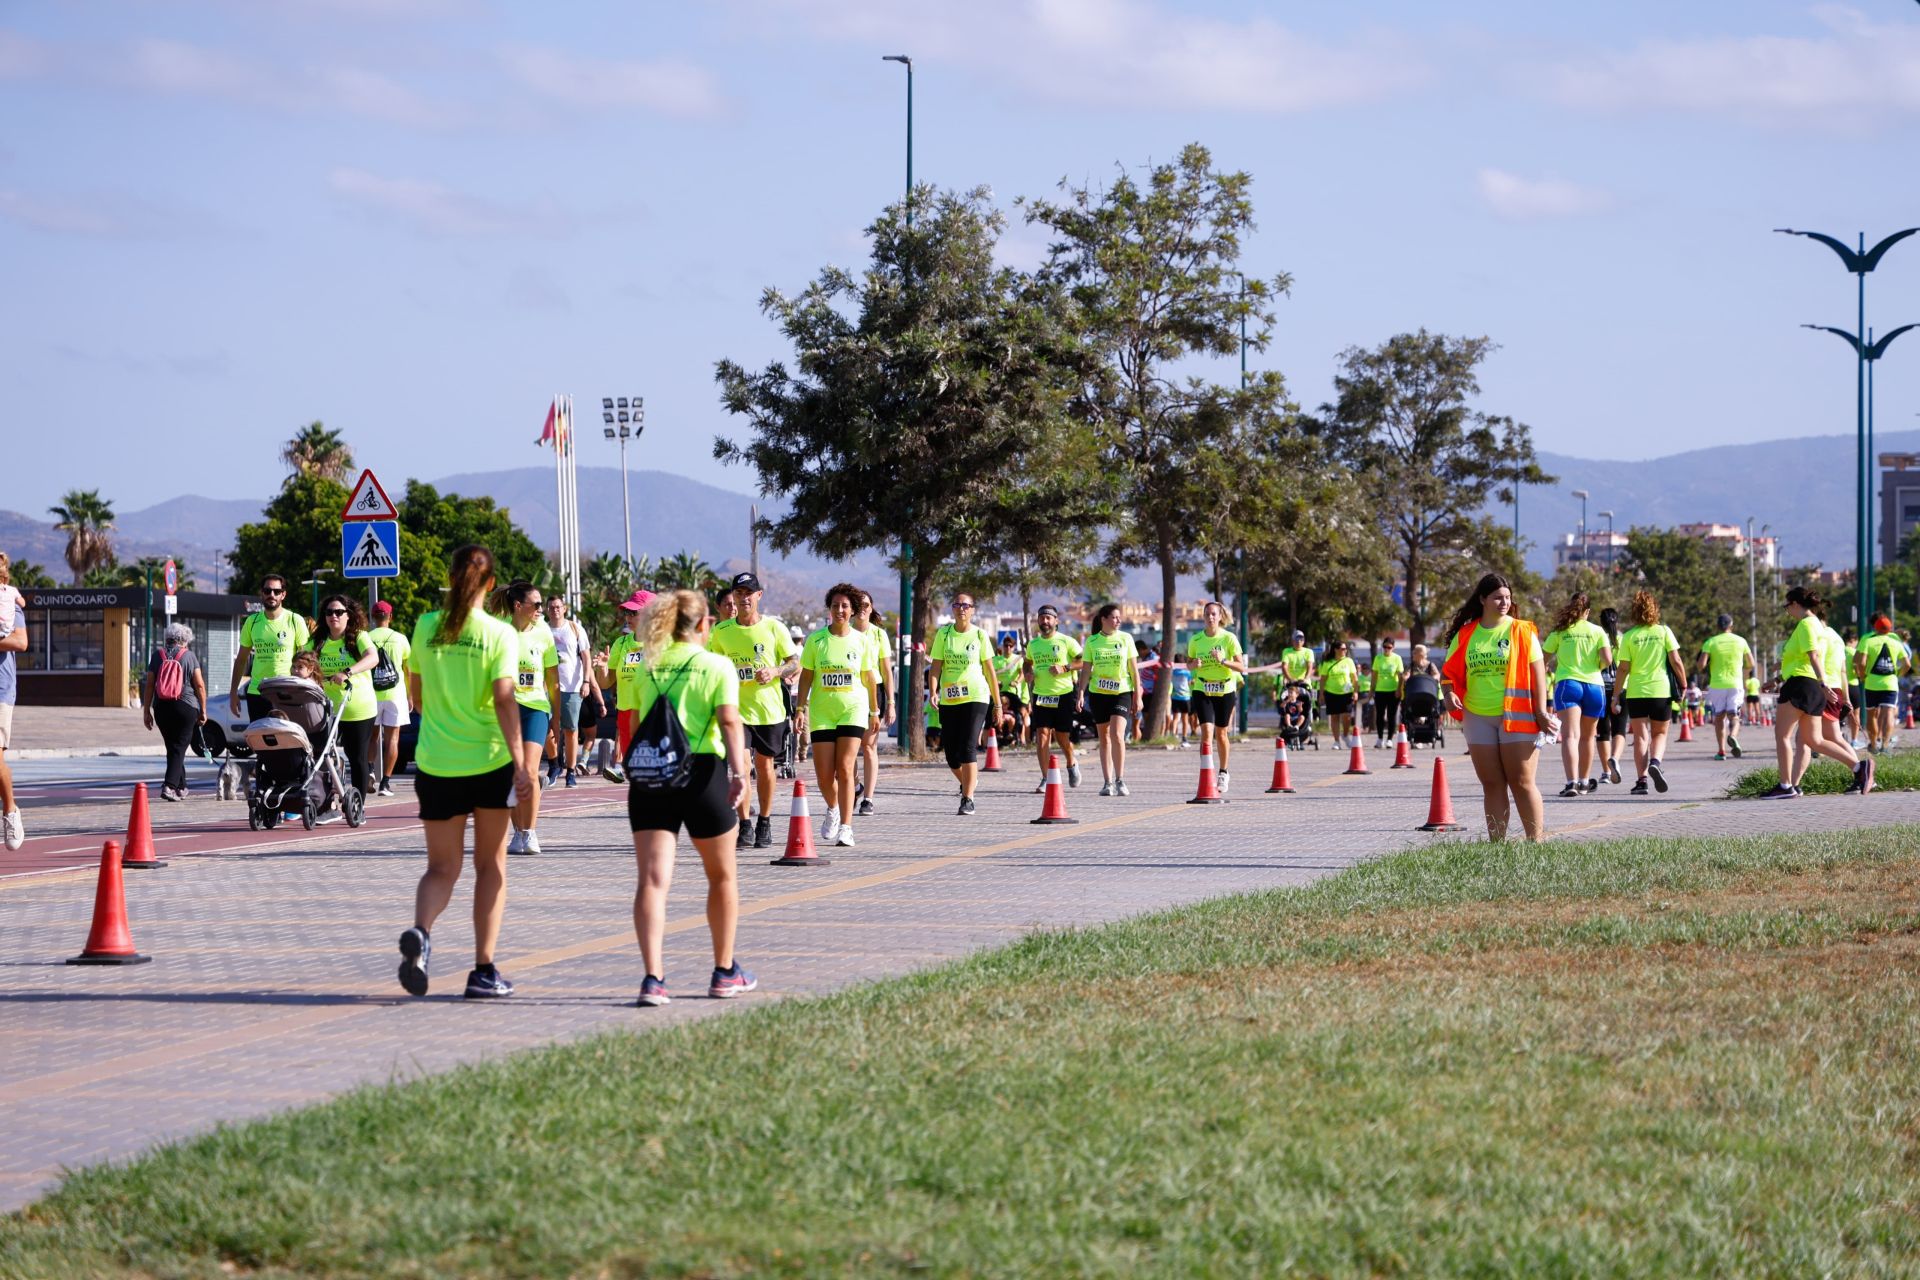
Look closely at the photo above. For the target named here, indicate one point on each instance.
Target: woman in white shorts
(1496, 686)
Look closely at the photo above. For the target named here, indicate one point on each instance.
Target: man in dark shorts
(763, 656)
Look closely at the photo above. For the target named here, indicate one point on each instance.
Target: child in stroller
(1296, 715)
(292, 773)
(1420, 712)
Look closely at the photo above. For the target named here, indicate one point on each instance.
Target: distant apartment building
(1766, 549)
(1899, 501)
(1604, 546)
(1601, 547)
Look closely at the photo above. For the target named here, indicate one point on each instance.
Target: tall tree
(1430, 462)
(317, 450)
(922, 405)
(134, 574)
(1693, 579)
(686, 571)
(1152, 270)
(25, 573)
(87, 520)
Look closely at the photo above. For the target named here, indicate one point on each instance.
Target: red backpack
(171, 680)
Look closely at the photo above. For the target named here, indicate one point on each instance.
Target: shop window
(65, 640)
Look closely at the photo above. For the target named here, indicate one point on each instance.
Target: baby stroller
(1420, 712)
(292, 774)
(1296, 716)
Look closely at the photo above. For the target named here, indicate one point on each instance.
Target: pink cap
(639, 600)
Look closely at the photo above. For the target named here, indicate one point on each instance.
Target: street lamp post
(317, 576)
(1859, 262)
(623, 424)
(906, 548)
(1586, 554)
(1609, 515)
(218, 556)
(1246, 701)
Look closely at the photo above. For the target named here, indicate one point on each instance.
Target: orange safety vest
(1516, 707)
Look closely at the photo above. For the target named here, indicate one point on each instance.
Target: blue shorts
(1590, 698)
(569, 712)
(533, 725)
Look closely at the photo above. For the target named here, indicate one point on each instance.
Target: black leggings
(356, 739)
(1386, 714)
(960, 726)
(175, 721)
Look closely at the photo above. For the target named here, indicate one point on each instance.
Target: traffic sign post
(370, 534)
(369, 501)
(171, 575)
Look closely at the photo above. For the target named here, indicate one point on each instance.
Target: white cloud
(439, 210)
(668, 87)
(1132, 53)
(189, 70)
(62, 219)
(1528, 199)
(1857, 71)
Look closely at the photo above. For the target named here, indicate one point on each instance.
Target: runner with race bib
(1113, 694)
(1218, 662)
(1052, 667)
(960, 669)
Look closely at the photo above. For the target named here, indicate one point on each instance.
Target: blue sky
(417, 219)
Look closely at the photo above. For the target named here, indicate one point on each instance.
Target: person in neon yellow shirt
(1753, 699)
(837, 695)
(1052, 666)
(1218, 662)
(960, 668)
(1009, 671)
(619, 667)
(536, 687)
(1112, 684)
(1339, 683)
(1389, 670)
(347, 655)
(1649, 674)
(393, 711)
(468, 764)
(1806, 698)
(1298, 665)
(763, 656)
(1880, 661)
(1726, 658)
(1496, 685)
(1577, 652)
(868, 625)
(268, 641)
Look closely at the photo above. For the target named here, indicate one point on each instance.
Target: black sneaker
(1658, 775)
(763, 833)
(746, 833)
(488, 983)
(1863, 775)
(864, 809)
(1590, 786)
(966, 805)
(1570, 790)
(416, 948)
(1613, 772)
(1781, 791)
(1638, 789)
(1733, 745)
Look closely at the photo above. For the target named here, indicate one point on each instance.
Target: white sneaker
(845, 837)
(1120, 787)
(830, 829)
(517, 842)
(530, 842)
(1223, 780)
(15, 833)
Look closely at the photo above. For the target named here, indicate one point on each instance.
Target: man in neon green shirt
(1879, 663)
(1387, 667)
(268, 641)
(763, 655)
(1052, 664)
(1297, 663)
(1726, 658)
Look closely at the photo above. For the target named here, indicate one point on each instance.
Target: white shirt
(570, 645)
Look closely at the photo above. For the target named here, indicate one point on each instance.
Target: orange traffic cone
(109, 941)
(1357, 762)
(1401, 760)
(1208, 792)
(1908, 722)
(800, 834)
(140, 834)
(1282, 776)
(1440, 808)
(1686, 728)
(1053, 805)
(993, 753)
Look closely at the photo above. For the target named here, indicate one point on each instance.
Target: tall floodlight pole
(906, 548)
(1586, 553)
(629, 426)
(1859, 261)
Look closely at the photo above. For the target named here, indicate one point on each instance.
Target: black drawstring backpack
(659, 756)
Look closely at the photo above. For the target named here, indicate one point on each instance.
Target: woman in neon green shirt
(1806, 698)
(1339, 679)
(837, 706)
(1112, 683)
(1648, 675)
(1578, 651)
(960, 671)
(536, 688)
(346, 656)
(1496, 686)
(468, 763)
(1218, 663)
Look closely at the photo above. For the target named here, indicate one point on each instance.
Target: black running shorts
(442, 798)
(701, 806)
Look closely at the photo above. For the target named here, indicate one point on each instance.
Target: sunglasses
(336, 613)
(963, 604)
(273, 591)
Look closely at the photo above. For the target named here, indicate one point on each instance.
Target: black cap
(1724, 621)
(745, 581)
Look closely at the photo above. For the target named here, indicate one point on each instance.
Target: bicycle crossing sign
(370, 549)
(369, 501)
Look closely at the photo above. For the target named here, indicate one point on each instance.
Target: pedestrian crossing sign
(370, 549)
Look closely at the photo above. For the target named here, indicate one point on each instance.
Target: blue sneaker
(415, 949)
(728, 983)
(572, 781)
(488, 983)
(653, 993)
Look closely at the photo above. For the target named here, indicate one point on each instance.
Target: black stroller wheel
(353, 806)
(253, 816)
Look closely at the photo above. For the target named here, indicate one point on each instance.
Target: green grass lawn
(1892, 771)
(1624, 1059)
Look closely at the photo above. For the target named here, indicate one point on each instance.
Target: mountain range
(1802, 488)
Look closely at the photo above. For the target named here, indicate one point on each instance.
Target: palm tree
(135, 573)
(317, 450)
(86, 518)
(686, 570)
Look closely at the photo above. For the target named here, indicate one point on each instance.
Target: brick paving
(273, 977)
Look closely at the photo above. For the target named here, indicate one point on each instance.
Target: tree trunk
(1162, 686)
(1417, 629)
(916, 735)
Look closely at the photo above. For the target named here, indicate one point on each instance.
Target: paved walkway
(273, 980)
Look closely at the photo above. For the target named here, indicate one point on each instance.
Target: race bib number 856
(954, 692)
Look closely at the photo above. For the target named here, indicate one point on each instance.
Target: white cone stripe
(799, 808)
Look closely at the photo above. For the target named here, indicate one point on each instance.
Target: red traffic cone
(800, 834)
(1357, 761)
(1208, 792)
(1282, 776)
(140, 834)
(1401, 760)
(1053, 805)
(993, 753)
(1686, 728)
(1908, 722)
(109, 941)
(1440, 808)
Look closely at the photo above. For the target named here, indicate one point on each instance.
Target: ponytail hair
(1571, 611)
(673, 615)
(1644, 609)
(469, 574)
(1610, 623)
(511, 597)
(1809, 599)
